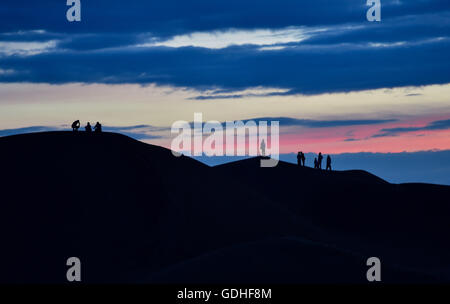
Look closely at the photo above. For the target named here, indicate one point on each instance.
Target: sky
(336, 82)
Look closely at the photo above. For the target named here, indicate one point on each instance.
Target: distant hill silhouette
(134, 213)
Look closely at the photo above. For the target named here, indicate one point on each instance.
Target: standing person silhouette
(76, 125)
(328, 162)
(319, 160)
(98, 128)
(88, 128)
(263, 148)
(303, 159)
(316, 166)
(299, 158)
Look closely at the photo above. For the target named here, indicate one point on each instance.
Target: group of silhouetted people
(88, 128)
(317, 161)
(301, 159)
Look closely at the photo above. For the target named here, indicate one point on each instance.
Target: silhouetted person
(303, 159)
(316, 166)
(98, 128)
(88, 128)
(76, 125)
(299, 158)
(328, 162)
(319, 160)
(263, 148)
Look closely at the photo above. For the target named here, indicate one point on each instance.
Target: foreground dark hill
(133, 212)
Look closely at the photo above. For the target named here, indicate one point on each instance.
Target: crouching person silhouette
(88, 128)
(75, 125)
(316, 163)
(98, 128)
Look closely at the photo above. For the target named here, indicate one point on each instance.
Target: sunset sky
(336, 82)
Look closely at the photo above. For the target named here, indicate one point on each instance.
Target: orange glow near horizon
(335, 140)
(27, 104)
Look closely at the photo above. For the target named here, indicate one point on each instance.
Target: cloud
(6, 72)
(98, 41)
(300, 47)
(289, 122)
(9, 48)
(30, 36)
(408, 28)
(32, 129)
(223, 39)
(352, 139)
(173, 17)
(435, 125)
(309, 123)
(301, 71)
(139, 132)
(230, 94)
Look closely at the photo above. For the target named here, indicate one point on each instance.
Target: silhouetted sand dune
(133, 212)
(280, 261)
